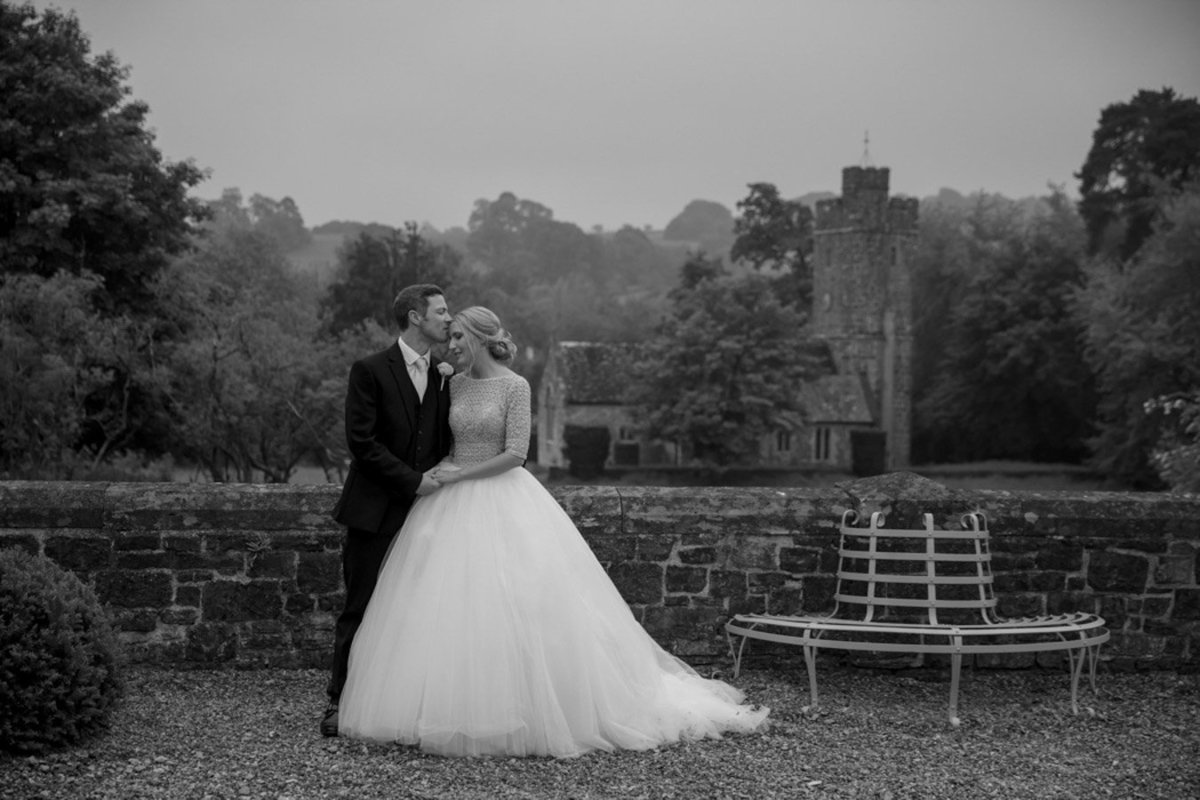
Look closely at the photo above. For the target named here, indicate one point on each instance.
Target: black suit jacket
(393, 438)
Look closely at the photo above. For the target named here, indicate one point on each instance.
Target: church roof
(836, 398)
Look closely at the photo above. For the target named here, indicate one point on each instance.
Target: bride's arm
(501, 462)
(517, 424)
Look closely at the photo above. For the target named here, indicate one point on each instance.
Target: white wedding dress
(495, 631)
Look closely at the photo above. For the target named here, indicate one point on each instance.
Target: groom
(397, 428)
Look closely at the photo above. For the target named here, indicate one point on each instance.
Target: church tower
(863, 245)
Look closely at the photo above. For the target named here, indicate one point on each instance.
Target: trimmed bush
(58, 656)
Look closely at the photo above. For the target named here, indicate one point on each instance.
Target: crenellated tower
(863, 246)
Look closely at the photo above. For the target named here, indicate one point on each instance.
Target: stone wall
(249, 575)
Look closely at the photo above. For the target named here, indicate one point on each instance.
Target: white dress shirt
(418, 367)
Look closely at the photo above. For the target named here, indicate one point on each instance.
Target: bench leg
(810, 661)
(1075, 661)
(955, 678)
(736, 652)
(1093, 659)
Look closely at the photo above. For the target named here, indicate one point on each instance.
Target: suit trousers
(362, 558)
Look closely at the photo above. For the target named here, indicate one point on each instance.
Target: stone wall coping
(181, 507)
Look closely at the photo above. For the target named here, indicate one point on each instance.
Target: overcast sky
(621, 111)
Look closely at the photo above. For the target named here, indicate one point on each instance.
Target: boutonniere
(445, 370)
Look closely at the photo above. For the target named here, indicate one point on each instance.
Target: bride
(493, 629)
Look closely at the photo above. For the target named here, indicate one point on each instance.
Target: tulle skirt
(495, 631)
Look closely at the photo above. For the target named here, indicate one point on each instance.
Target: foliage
(1176, 457)
(549, 281)
(1140, 149)
(776, 234)
(373, 268)
(1010, 382)
(634, 263)
(942, 267)
(279, 220)
(723, 369)
(1143, 339)
(44, 325)
(252, 390)
(58, 656)
(89, 214)
(84, 188)
(72, 382)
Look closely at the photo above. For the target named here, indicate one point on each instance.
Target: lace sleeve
(517, 419)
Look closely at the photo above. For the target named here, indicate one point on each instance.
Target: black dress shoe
(329, 722)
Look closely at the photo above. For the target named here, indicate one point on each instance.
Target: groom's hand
(428, 485)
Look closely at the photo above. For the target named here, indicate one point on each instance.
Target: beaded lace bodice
(489, 416)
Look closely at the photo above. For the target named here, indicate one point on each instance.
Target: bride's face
(461, 349)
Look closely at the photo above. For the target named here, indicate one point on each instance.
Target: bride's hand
(446, 473)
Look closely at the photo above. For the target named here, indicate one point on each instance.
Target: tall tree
(771, 231)
(1143, 340)
(941, 273)
(960, 238)
(84, 188)
(1012, 382)
(372, 269)
(723, 370)
(281, 220)
(1141, 150)
(776, 235)
(529, 268)
(252, 390)
(47, 331)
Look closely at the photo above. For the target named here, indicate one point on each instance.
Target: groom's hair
(413, 298)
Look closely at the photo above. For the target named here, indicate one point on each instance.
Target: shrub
(1177, 454)
(58, 656)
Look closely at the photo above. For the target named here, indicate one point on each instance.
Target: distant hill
(705, 224)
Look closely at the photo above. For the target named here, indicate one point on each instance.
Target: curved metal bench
(922, 591)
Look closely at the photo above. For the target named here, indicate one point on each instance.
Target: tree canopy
(725, 366)
(1141, 150)
(373, 268)
(776, 235)
(1009, 379)
(84, 188)
(251, 388)
(1143, 340)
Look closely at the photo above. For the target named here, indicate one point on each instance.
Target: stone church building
(856, 411)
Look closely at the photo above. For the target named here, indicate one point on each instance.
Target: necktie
(419, 372)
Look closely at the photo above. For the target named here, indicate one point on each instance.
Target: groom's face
(434, 324)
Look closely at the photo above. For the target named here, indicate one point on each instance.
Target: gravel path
(877, 735)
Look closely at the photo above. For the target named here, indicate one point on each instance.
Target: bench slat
(913, 602)
(921, 556)
(915, 533)
(915, 577)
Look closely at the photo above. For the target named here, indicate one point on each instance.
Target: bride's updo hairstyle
(486, 329)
